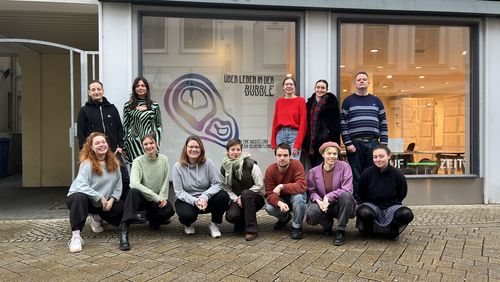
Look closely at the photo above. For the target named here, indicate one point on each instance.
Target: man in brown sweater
(285, 185)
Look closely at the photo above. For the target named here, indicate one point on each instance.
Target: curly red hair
(87, 154)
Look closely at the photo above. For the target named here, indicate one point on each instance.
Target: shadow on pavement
(17, 202)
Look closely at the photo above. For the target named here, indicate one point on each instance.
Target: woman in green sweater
(148, 190)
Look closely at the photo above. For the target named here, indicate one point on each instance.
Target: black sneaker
(339, 238)
(281, 224)
(328, 232)
(296, 233)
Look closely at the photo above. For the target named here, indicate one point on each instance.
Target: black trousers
(402, 217)
(217, 205)
(246, 216)
(80, 206)
(125, 178)
(156, 216)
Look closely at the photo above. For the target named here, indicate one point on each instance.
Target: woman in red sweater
(290, 119)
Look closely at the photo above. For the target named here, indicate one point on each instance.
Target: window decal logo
(195, 105)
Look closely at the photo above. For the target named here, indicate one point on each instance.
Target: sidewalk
(444, 243)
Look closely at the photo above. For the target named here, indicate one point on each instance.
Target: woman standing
(96, 189)
(148, 190)
(290, 119)
(329, 186)
(382, 189)
(244, 183)
(323, 118)
(141, 116)
(197, 186)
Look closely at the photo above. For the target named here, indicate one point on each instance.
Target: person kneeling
(96, 189)
(285, 186)
(149, 190)
(197, 186)
(382, 189)
(329, 186)
(242, 180)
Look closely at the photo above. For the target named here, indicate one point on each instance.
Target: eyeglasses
(194, 147)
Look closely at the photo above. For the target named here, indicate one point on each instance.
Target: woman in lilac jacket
(329, 186)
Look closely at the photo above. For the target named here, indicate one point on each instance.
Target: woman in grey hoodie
(197, 186)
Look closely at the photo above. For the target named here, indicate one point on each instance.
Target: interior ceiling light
(384, 86)
(418, 67)
(342, 66)
(374, 50)
(388, 76)
(402, 90)
(344, 90)
(445, 82)
(421, 76)
(380, 67)
(464, 52)
(421, 86)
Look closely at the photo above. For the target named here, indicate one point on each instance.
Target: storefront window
(422, 75)
(218, 79)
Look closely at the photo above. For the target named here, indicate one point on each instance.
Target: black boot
(339, 238)
(124, 244)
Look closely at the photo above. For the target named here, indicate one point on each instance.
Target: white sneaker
(95, 224)
(214, 230)
(75, 244)
(189, 230)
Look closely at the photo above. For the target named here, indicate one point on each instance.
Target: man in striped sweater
(363, 125)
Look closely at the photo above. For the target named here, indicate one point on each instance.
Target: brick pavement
(444, 243)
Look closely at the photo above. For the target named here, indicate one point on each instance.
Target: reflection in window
(220, 78)
(154, 34)
(198, 35)
(422, 75)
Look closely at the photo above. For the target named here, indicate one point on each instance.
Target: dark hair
(133, 97)
(283, 146)
(184, 159)
(233, 142)
(383, 147)
(95, 81)
(289, 77)
(88, 88)
(322, 80)
(361, 72)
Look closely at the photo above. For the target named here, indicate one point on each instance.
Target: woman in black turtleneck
(382, 189)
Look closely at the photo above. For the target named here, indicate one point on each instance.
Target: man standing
(363, 126)
(285, 186)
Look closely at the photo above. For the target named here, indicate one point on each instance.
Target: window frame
(472, 133)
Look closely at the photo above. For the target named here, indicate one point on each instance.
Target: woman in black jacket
(323, 121)
(382, 189)
(99, 115)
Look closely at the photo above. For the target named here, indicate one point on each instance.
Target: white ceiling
(72, 23)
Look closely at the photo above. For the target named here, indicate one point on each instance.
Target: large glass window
(422, 75)
(218, 79)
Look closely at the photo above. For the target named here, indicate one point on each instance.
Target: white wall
(115, 45)
(489, 110)
(319, 62)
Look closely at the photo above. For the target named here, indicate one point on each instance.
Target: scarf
(235, 166)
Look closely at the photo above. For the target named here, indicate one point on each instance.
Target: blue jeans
(296, 203)
(360, 160)
(288, 135)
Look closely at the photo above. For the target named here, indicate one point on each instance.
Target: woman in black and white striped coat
(141, 116)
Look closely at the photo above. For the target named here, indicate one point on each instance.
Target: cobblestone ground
(444, 243)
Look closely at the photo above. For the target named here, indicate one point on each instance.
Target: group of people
(103, 189)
